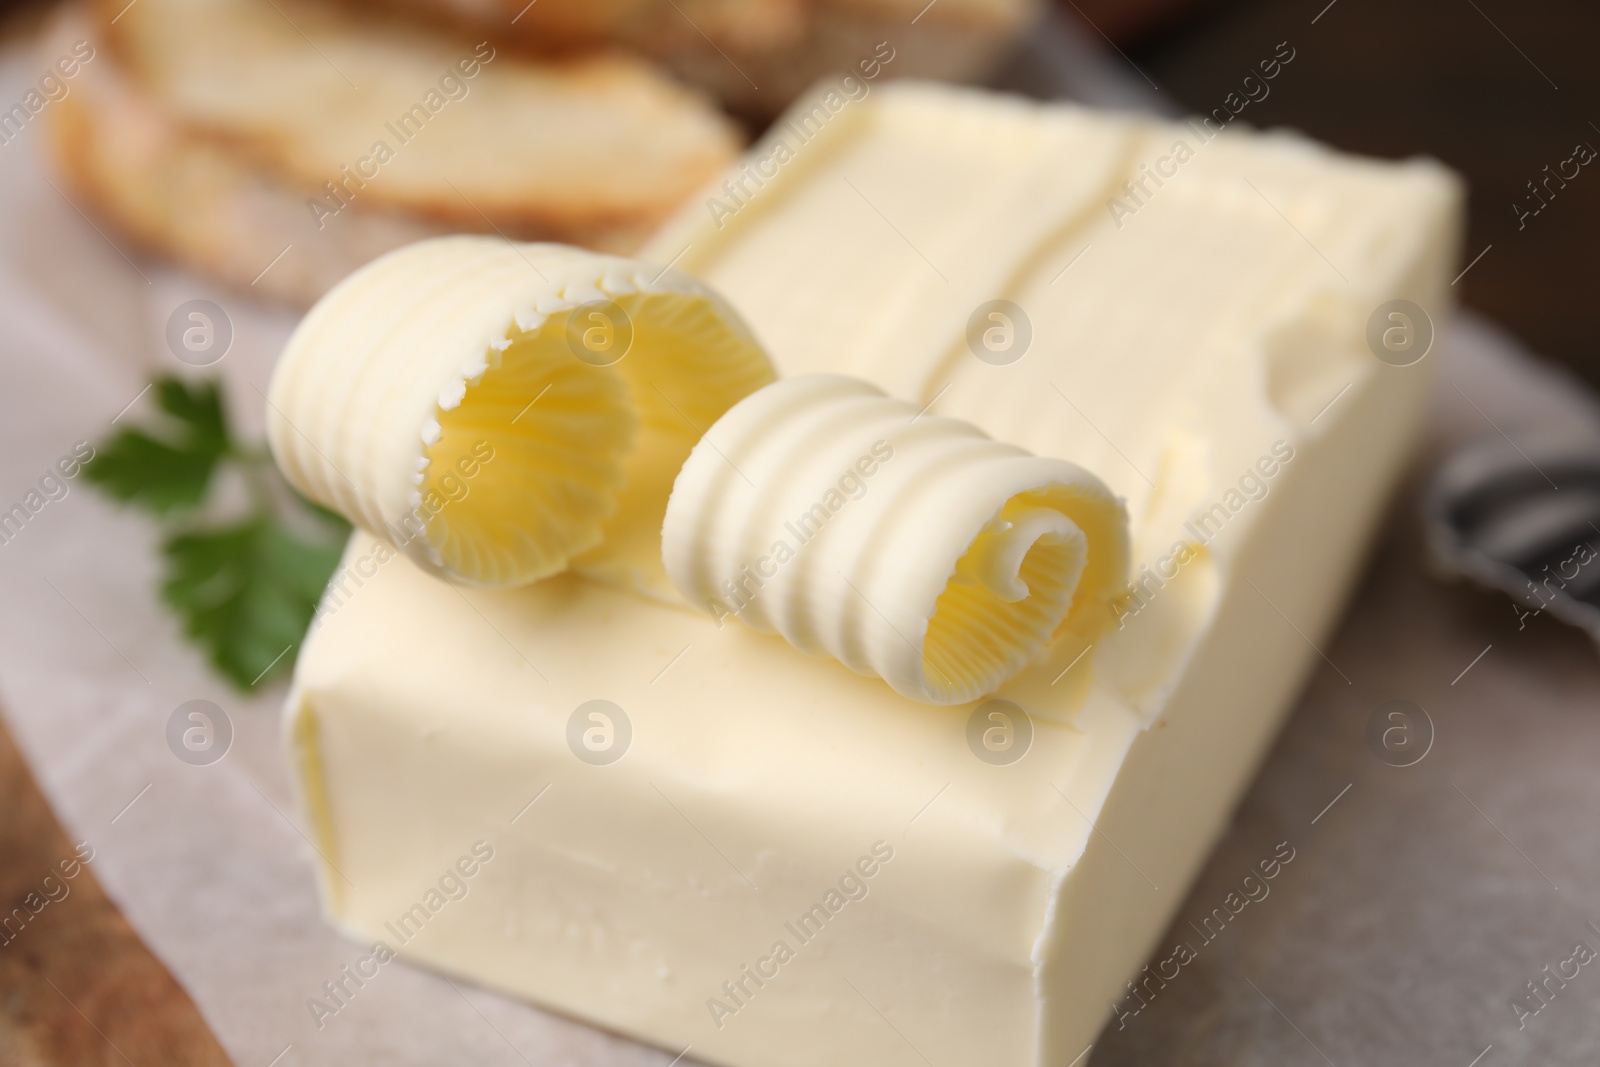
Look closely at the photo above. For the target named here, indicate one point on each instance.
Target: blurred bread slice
(194, 200)
(585, 144)
(945, 40)
(759, 55)
(565, 25)
(223, 131)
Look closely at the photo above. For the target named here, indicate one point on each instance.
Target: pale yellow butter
(790, 864)
(907, 546)
(502, 412)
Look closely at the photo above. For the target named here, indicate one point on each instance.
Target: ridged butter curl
(502, 412)
(907, 546)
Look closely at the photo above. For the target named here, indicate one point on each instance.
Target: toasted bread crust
(756, 56)
(559, 148)
(646, 25)
(198, 199)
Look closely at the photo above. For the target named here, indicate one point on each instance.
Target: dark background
(1495, 89)
(1498, 91)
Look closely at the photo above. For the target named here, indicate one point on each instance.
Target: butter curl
(503, 412)
(908, 546)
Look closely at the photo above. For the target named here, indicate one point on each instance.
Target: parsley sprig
(246, 558)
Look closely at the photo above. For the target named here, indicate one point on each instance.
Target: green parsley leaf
(246, 593)
(246, 590)
(169, 469)
(198, 406)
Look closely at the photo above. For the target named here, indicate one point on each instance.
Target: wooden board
(77, 986)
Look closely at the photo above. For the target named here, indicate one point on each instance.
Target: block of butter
(709, 840)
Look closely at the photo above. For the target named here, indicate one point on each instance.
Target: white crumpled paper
(208, 863)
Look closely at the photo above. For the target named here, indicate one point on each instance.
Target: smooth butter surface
(1168, 358)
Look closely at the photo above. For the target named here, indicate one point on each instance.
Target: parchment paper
(1417, 905)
